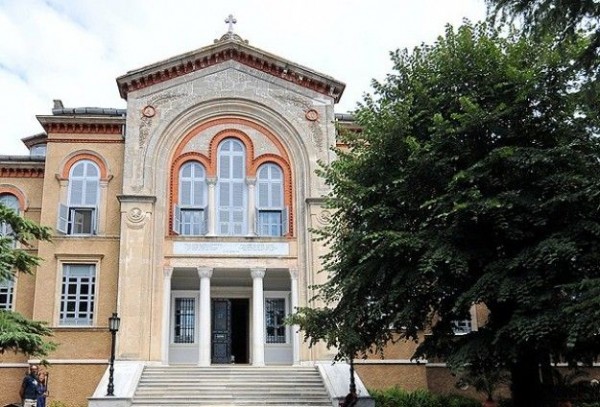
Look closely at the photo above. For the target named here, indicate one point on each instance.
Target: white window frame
(66, 223)
(462, 326)
(271, 206)
(275, 295)
(10, 201)
(7, 291)
(230, 182)
(69, 277)
(192, 204)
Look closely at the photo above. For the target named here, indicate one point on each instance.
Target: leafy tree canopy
(563, 19)
(17, 333)
(474, 180)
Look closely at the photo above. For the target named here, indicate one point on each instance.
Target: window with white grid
(78, 217)
(462, 326)
(231, 188)
(190, 214)
(6, 294)
(78, 294)
(270, 213)
(10, 201)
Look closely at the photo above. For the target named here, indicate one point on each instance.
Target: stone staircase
(230, 385)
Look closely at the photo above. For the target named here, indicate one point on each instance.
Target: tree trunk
(526, 388)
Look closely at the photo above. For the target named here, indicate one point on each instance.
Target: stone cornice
(22, 169)
(224, 51)
(82, 124)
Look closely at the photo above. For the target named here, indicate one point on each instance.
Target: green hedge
(396, 397)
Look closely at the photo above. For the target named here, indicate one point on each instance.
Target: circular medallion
(135, 215)
(312, 115)
(149, 111)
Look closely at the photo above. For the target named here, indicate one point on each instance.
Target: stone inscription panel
(232, 248)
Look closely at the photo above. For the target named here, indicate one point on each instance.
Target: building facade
(189, 213)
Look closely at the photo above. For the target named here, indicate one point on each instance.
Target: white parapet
(126, 377)
(336, 377)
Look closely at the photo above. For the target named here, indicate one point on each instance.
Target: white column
(212, 206)
(166, 313)
(205, 274)
(295, 328)
(251, 182)
(258, 317)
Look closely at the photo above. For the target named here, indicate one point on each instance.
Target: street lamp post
(113, 327)
(352, 381)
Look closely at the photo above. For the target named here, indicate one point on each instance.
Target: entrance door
(221, 331)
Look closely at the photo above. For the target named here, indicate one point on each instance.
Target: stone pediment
(229, 47)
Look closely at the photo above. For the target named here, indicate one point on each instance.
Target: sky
(74, 50)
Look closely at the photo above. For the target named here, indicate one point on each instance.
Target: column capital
(205, 272)
(251, 181)
(211, 181)
(167, 271)
(293, 273)
(258, 272)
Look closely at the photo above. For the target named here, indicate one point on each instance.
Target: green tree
(17, 333)
(562, 19)
(474, 180)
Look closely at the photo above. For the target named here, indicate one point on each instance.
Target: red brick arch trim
(229, 121)
(252, 164)
(85, 156)
(12, 190)
(238, 135)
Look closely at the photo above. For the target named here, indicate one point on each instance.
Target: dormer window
(39, 150)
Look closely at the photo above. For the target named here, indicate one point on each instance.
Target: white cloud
(74, 50)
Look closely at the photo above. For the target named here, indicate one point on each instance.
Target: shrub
(396, 397)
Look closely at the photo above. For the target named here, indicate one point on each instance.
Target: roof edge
(221, 51)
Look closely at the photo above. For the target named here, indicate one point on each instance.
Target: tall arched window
(271, 215)
(191, 212)
(12, 202)
(6, 285)
(231, 188)
(79, 216)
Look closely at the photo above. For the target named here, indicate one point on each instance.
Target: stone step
(230, 385)
(162, 403)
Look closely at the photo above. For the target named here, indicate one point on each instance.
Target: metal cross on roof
(231, 21)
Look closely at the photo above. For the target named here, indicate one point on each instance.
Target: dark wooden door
(221, 330)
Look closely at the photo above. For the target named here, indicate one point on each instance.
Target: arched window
(79, 216)
(6, 285)
(12, 202)
(231, 188)
(271, 215)
(191, 212)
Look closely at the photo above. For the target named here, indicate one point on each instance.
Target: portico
(216, 315)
